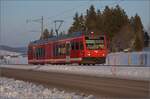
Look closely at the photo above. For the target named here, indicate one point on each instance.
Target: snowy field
(17, 89)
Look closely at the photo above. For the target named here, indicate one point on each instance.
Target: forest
(122, 31)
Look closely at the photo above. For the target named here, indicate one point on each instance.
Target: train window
(68, 47)
(101, 38)
(53, 50)
(43, 52)
(29, 49)
(57, 50)
(62, 49)
(72, 45)
(77, 45)
(81, 45)
(39, 52)
(37, 55)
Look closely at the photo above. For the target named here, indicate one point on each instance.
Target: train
(78, 47)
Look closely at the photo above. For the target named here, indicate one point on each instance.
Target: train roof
(55, 38)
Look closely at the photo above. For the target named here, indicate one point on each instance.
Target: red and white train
(72, 48)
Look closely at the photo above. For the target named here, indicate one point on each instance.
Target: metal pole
(42, 25)
(57, 29)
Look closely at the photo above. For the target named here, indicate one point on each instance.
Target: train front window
(95, 43)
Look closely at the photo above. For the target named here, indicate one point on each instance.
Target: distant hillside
(22, 50)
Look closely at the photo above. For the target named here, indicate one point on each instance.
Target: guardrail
(129, 58)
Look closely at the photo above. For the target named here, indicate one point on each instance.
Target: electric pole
(42, 25)
(41, 20)
(57, 29)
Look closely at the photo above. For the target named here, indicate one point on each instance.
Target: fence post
(129, 59)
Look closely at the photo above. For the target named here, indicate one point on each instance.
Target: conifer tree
(139, 33)
(91, 19)
(45, 34)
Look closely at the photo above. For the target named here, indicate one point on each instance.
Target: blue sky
(14, 31)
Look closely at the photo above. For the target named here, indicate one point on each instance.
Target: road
(98, 86)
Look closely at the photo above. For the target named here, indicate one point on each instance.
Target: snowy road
(103, 86)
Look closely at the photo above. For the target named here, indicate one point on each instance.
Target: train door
(34, 53)
(68, 49)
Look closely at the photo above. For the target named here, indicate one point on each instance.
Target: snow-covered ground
(7, 57)
(14, 60)
(6, 53)
(17, 89)
(139, 73)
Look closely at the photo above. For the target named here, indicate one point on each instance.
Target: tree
(99, 22)
(114, 19)
(75, 25)
(45, 34)
(139, 33)
(91, 19)
(146, 39)
(51, 34)
(114, 22)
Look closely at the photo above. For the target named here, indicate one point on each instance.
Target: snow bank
(14, 60)
(17, 89)
(130, 72)
(131, 58)
(138, 73)
(26, 67)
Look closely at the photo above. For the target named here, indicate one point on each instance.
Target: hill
(22, 50)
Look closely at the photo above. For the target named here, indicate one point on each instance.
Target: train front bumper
(93, 60)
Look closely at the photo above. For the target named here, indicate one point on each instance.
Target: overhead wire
(65, 12)
(52, 18)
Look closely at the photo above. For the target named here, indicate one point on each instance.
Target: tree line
(122, 31)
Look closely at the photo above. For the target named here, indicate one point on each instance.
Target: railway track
(80, 65)
(98, 86)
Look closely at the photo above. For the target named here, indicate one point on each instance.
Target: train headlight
(96, 51)
(103, 54)
(89, 54)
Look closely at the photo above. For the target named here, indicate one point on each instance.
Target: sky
(15, 31)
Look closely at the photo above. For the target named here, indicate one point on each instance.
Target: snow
(17, 89)
(26, 67)
(134, 65)
(12, 58)
(137, 73)
(6, 53)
